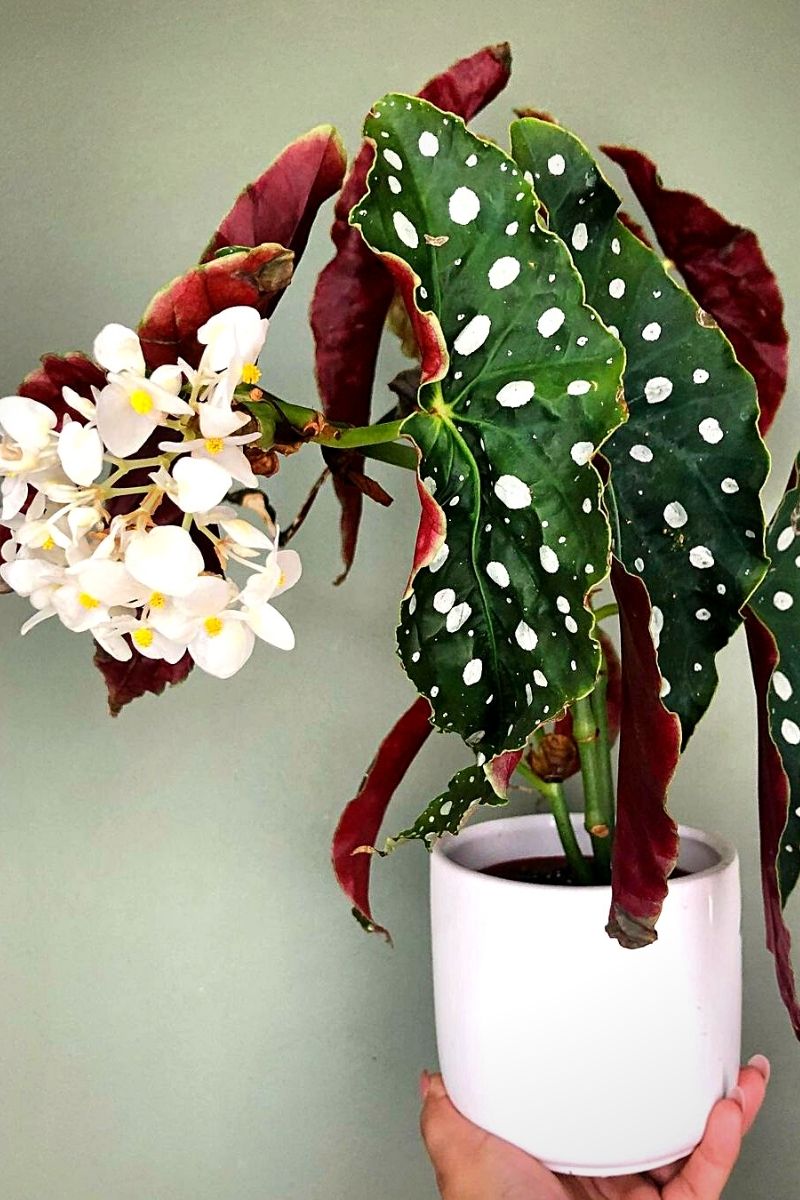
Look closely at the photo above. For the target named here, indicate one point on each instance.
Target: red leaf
(280, 206)
(56, 372)
(361, 820)
(354, 291)
(168, 329)
(724, 269)
(646, 839)
(773, 808)
(128, 681)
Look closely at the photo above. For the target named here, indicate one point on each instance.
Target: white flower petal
(235, 462)
(117, 348)
(290, 569)
(225, 652)
(15, 493)
(239, 328)
(85, 407)
(123, 430)
(168, 377)
(220, 421)
(244, 534)
(201, 483)
(112, 641)
(81, 453)
(271, 626)
(210, 596)
(27, 422)
(165, 559)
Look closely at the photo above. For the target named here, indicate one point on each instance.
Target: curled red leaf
(774, 793)
(168, 329)
(354, 292)
(646, 839)
(360, 823)
(725, 270)
(127, 681)
(56, 372)
(280, 206)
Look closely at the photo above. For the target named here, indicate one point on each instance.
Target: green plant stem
(344, 437)
(395, 453)
(554, 794)
(597, 789)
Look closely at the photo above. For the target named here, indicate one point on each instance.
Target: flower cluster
(137, 580)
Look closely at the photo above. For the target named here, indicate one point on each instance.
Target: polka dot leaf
(776, 604)
(519, 388)
(450, 810)
(688, 465)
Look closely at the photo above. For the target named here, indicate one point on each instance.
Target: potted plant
(576, 416)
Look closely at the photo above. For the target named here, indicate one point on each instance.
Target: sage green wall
(187, 1011)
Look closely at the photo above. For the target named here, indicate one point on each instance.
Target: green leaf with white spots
(688, 466)
(452, 808)
(777, 606)
(520, 386)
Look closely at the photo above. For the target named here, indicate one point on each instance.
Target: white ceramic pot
(597, 1060)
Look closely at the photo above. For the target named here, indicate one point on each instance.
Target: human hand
(471, 1164)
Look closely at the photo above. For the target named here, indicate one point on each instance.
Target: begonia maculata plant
(586, 412)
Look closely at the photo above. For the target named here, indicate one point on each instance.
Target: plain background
(187, 1010)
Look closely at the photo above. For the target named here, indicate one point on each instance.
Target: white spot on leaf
(556, 164)
(616, 289)
(642, 454)
(783, 601)
(710, 430)
(473, 335)
(472, 671)
(701, 557)
(579, 387)
(526, 637)
(394, 160)
(675, 515)
(439, 558)
(652, 332)
(657, 389)
(428, 144)
(503, 272)
(498, 573)
(782, 686)
(580, 236)
(457, 616)
(549, 559)
(463, 206)
(405, 230)
(444, 600)
(791, 732)
(516, 393)
(581, 452)
(550, 322)
(729, 486)
(512, 491)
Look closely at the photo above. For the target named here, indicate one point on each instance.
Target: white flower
(164, 560)
(131, 406)
(281, 572)
(221, 641)
(214, 461)
(80, 451)
(237, 333)
(117, 349)
(90, 590)
(144, 637)
(26, 448)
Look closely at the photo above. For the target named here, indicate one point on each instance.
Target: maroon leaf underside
(127, 681)
(724, 268)
(361, 820)
(646, 839)
(773, 808)
(354, 291)
(56, 372)
(168, 329)
(281, 205)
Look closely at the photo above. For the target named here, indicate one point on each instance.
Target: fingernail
(737, 1095)
(762, 1065)
(424, 1084)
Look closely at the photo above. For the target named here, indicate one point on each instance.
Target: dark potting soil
(544, 870)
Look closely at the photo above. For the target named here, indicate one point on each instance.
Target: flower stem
(333, 434)
(554, 794)
(395, 453)
(590, 730)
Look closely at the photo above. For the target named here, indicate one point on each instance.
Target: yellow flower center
(157, 600)
(141, 402)
(48, 543)
(143, 638)
(88, 601)
(213, 626)
(250, 373)
(215, 445)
